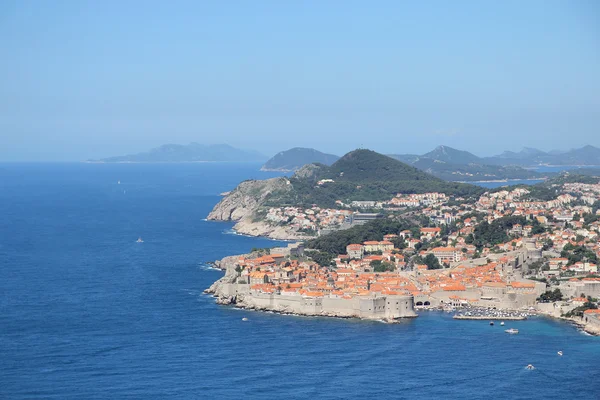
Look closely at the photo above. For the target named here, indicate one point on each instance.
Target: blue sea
(497, 184)
(88, 313)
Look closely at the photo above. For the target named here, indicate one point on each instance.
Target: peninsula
(517, 251)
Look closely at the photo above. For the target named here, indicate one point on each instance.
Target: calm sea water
(87, 313)
(493, 185)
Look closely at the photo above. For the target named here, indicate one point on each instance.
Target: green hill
(367, 165)
(363, 175)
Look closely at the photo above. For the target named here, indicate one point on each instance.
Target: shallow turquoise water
(85, 312)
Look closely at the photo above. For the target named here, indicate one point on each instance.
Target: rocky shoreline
(240, 301)
(241, 204)
(578, 322)
(248, 227)
(227, 291)
(283, 311)
(587, 328)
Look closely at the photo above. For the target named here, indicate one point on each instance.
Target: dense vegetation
(325, 248)
(578, 311)
(578, 253)
(365, 175)
(382, 266)
(496, 232)
(550, 296)
(321, 257)
(430, 260)
(336, 242)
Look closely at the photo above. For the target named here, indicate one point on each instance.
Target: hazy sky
(86, 79)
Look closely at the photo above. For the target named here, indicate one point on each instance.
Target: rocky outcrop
(246, 198)
(241, 204)
(309, 171)
(246, 226)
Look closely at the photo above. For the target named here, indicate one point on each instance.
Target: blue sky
(87, 79)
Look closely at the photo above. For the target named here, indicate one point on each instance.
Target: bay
(88, 313)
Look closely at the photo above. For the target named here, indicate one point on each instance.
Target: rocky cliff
(246, 198)
(241, 204)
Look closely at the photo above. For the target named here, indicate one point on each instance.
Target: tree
(432, 262)
(548, 244)
(382, 266)
(550, 296)
(470, 239)
(322, 258)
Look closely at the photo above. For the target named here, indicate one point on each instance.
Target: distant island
(193, 152)
(529, 157)
(296, 158)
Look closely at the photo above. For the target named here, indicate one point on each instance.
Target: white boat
(502, 323)
(244, 319)
(560, 353)
(139, 240)
(530, 366)
(512, 331)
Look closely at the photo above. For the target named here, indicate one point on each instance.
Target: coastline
(578, 322)
(491, 317)
(247, 227)
(227, 292)
(503, 180)
(324, 314)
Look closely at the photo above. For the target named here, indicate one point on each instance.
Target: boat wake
(192, 292)
(208, 267)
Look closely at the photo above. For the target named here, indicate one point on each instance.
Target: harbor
(491, 315)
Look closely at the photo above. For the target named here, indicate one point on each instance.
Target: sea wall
(386, 308)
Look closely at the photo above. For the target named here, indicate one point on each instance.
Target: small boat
(139, 240)
(529, 366)
(502, 323)
(244, 319)
(512, 331)
(492, 323)
(118, 182)
(560, 353)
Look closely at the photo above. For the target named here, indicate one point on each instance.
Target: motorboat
(560, 353)
(492, 323)
(502, 323)
(244, 319)
(529, 366)
(512, 331)
(139, 240)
